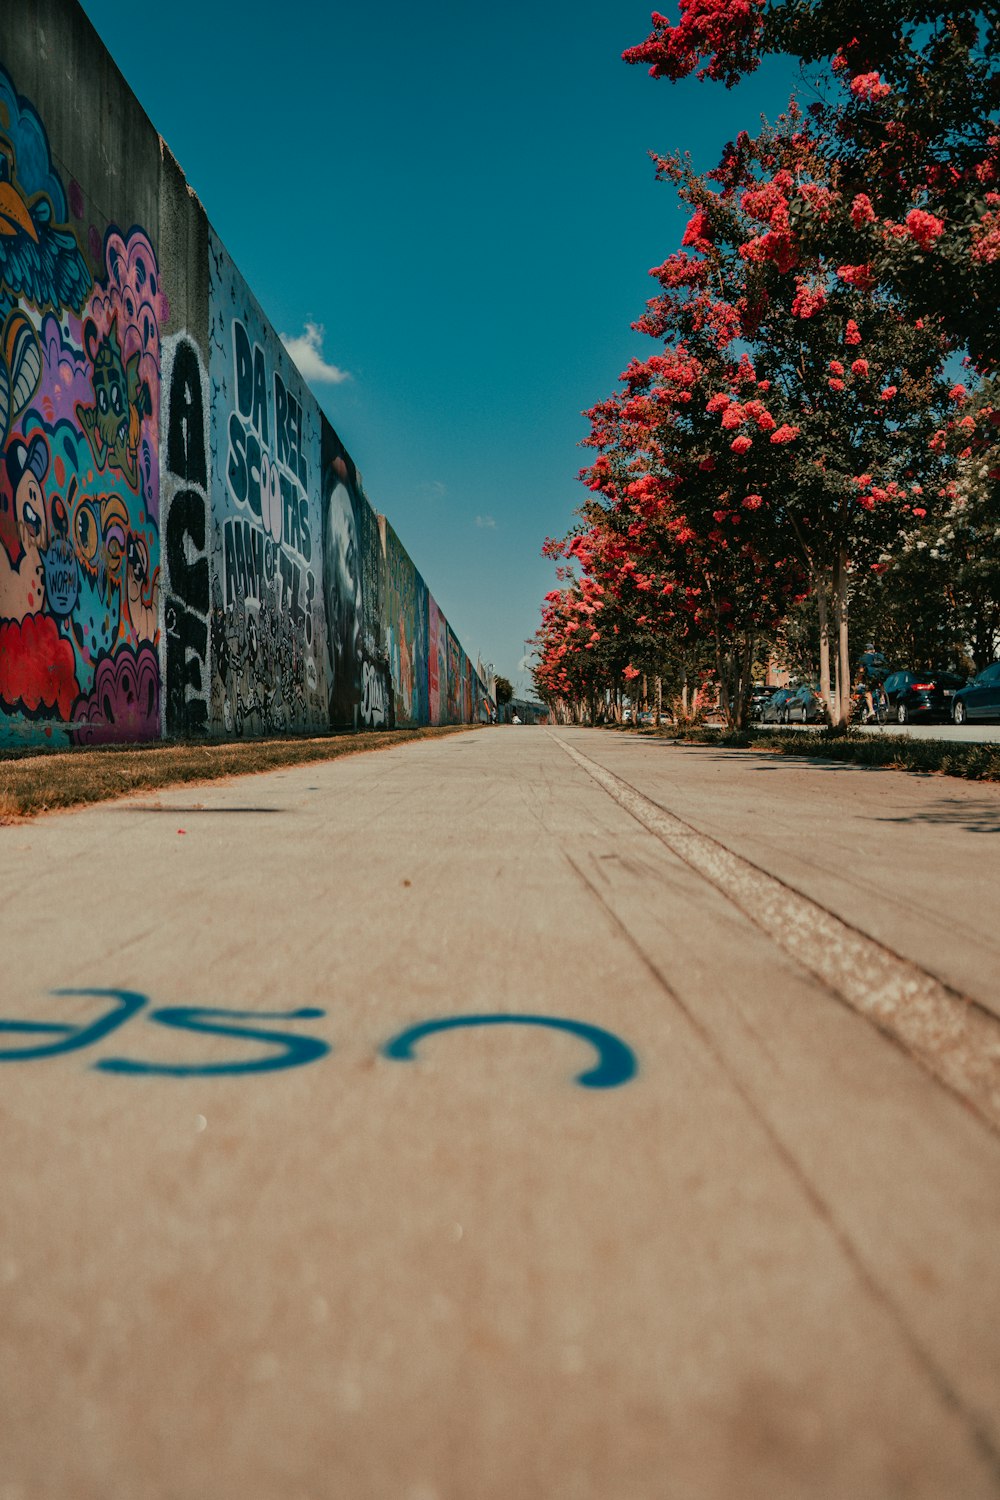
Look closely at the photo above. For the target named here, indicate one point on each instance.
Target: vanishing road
(522, 1115)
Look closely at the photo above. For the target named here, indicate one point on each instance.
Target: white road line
(953, 1037)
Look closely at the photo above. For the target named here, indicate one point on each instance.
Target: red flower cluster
(861, 211)
(808, 299)
(857, 276)
(726, 31)
(924, 228)
(868, 86)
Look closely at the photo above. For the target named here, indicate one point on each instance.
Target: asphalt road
(541, 1114)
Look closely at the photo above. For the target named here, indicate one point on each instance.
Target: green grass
(973, 762)
(37, 781)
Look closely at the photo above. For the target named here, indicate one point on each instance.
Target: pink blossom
(785, 434)
(808, 300)
(835, 385)
(742, 444)
(753, 502)
(924, 227)
(857, 276)
(631, 672)
(869, 86)
(697, 229)
(733, 415)
(836, 368)
(852, 333)
(957, 393)
(862, 211)
(859, 367)
(889, 392)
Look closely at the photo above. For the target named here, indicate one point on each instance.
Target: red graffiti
(36, 666)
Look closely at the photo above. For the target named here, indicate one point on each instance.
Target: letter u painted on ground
(616, 1061)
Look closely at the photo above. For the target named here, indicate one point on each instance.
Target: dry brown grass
(33, 782)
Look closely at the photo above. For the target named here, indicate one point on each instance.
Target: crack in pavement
(955, 1038)
(976, 1423)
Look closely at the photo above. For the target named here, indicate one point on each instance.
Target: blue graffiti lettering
(294, 1051)
(128, 1003)
(616, 1062)
(616, 1066)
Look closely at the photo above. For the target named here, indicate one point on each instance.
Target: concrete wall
(186, 546)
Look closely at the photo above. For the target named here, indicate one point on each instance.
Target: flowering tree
(910, 96)
(779, 432)
(941, 592)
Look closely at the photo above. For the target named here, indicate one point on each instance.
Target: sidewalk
(763, 1265)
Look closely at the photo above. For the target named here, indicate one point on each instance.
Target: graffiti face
(26, 533)
(113, 423)
(342, 591)
(342, 571)
(79, 396)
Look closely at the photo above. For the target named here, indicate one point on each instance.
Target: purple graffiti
(65, 371)
(125, 702)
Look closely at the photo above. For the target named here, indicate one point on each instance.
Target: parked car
(805, 706)
(759, 695)
(921, 695)
(775, 710)
(980, 699)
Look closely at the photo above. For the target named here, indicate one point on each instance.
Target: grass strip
(37, 781)
(896, 752)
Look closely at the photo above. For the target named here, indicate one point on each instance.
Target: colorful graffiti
(406, 632)
(79, 478)
(437, 662)
(266, 646)
(226, 575)
(360, 689)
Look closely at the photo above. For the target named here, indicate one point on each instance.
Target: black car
(980, 699)
(921, 695)
(758, 697)
(805, 706)
(775, 710)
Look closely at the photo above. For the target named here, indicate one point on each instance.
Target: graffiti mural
(437, 662)
(79, 458)
(453, 695)
(267, 628)
(360, 689)
(406, 632)
(185, 503)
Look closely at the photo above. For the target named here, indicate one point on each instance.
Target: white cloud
(434, 489)
(486, 523)
(307, 351)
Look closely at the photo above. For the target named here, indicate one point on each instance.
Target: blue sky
(460, 198)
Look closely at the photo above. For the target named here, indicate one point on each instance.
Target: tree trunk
(843, 651)
(819, 585)
(659, 699)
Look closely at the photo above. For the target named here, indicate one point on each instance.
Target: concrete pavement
(298, 1256)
